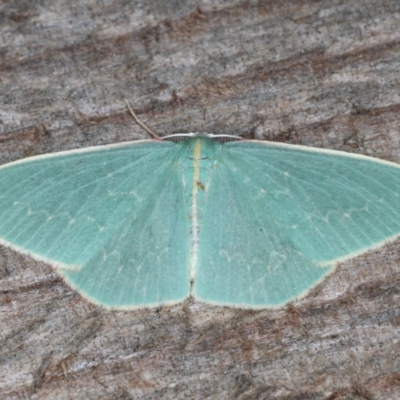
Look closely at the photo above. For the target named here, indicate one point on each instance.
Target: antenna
(142, 124)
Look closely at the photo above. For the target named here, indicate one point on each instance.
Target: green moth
(248, 224)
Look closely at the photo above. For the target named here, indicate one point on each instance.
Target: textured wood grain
(318, 73)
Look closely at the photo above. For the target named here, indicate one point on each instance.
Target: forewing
(103, 217)
(279, 217)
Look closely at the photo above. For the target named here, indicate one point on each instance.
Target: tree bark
(316, 73)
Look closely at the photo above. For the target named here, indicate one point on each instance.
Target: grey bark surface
(316, 73)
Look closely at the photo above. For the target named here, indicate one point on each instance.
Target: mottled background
(317, 73)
